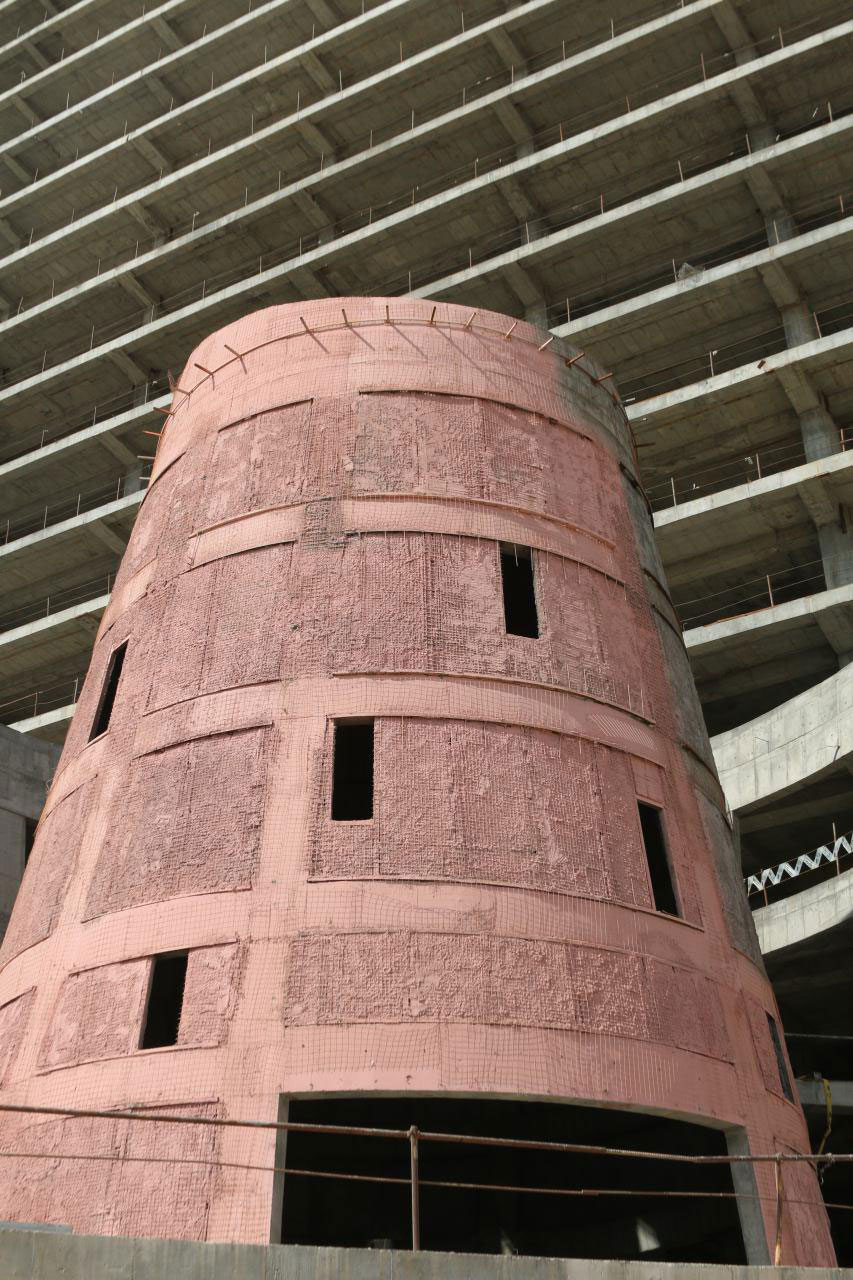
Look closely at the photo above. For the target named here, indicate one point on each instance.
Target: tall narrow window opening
(30, 828)
(519, 589)
(352, 771)
(108, 695)
(660, 872)
(165, 1001)
(781, 1064)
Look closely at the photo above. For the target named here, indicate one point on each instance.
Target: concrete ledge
(779, 751)
(805, 915)
(44, 1255)
(47, 720)
(715, 636)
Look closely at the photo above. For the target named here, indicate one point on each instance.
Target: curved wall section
(429, 521)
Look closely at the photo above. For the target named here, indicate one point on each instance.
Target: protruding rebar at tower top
(388, 802)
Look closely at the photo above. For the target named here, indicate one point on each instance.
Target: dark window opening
(660, 872)
(108, 696)
(165, 1001)
(519, 591)
(351, 1214)
(30, 828)
(781, 1065)
(352, 771)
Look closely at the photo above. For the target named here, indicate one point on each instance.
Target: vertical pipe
(777, 1250)
(416, 1211)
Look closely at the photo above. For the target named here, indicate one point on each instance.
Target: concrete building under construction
(665, 187)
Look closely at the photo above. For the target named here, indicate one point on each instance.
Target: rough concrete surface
(43, 1255)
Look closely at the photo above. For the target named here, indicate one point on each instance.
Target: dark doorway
(327, 1211)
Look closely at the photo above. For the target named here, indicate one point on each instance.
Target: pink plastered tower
(321, 541)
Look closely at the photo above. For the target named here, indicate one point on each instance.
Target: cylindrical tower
(388, 799)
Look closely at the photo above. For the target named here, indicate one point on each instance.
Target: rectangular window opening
(519, 588)
(352, 771)
(30, 828)
(108, 696)
(781, 1064)
(165, 1001)
(660, 872)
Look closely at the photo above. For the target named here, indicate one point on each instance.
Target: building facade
(666, 186)
(388, 780)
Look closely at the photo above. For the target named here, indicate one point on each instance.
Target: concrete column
(748, 1204)
(13, 831)
(836, 549)
(133, 481)
(821, 436)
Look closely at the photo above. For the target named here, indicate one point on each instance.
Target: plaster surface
(321, 540)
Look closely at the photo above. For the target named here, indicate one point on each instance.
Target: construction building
(665, 187)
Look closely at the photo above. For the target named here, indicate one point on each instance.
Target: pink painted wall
(320, 539)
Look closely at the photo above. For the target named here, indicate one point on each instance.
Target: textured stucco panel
(211, 993)
(13, 1026)
(159, 1173)
(98, 1014)
(492, 804)
(189, 822)
(48, 872)
(446, 978)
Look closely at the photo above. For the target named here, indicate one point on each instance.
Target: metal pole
(416, 1212)
(777, 1251)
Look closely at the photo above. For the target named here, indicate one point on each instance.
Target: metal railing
(755, 593)
(415, 1138)
(682, 487)
(66, 506)
(134, 397)
(56, 602)
(38, 701)
(824, 855)
(728, 356)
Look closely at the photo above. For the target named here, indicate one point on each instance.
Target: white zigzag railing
(806, 862)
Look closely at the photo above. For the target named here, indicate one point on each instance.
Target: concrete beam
(37, 725)
(135, 289)
(738, 382)
(755, 628)
(167, 33)
(15, 550)
(818, 500)
(202, 169)
(58, 450)
(767, 263)
(152, 153)
(40, 628)
(79, 1257)
(108, 537)
(782, 750)
(812, 1095)
(128, 366)
(323, 78)
(802, 918)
